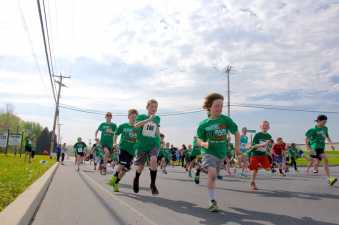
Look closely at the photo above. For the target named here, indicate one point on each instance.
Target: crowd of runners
(142, 144)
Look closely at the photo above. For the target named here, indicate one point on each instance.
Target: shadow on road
(239, 216)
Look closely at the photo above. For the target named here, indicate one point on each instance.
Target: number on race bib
(149, 129)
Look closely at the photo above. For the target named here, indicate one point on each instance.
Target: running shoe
(115, 184)
(253, 186)
(154, 190)
(332, 180)
(213, 206)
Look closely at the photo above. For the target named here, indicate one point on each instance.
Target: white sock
(211, 194)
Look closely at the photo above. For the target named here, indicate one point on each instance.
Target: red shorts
(257, 162)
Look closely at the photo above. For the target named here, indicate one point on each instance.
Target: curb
(23, 209)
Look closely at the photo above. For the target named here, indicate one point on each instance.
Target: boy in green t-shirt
(148, 144)
(98, 153)
(107, 130)
(293, 155)
(212, 137)
(259, 152)
(315, 142)
(164, 156)
(128, 138)
(194, 162)
(80, 151)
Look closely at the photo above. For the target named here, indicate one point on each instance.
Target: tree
(43, 141)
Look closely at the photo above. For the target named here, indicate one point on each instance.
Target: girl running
(212, 137)
(278, 154)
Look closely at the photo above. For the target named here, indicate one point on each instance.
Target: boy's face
(131, 117)
(152, 108)
(265, 126)
(108, 118)
(216, 108)
(321, 123)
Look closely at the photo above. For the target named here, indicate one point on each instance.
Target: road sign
(14, 140)
(251, 131)
(3, 140)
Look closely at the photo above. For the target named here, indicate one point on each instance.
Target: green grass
(16, 175)
(333, 159)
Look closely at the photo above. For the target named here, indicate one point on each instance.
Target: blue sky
(120, 54)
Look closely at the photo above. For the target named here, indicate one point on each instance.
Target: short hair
(151, 101)
(132, 111)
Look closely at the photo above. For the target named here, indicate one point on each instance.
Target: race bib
(80, 150)
(149, 129)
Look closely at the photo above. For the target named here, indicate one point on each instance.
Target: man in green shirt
(128, 138)
(148, 144)
(80, 150)
(315, 142)
(212, 137)
(107, 130)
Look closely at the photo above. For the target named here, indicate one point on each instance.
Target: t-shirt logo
(149, 129)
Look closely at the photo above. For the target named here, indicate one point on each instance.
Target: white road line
(137, 212)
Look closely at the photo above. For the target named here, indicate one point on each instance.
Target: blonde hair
(132, 111)
(151, 102)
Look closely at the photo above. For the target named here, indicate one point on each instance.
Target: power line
(46, 50)
(268, 107)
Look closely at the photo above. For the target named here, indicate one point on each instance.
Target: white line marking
(137, 212)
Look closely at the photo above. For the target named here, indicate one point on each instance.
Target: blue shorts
(278, 159)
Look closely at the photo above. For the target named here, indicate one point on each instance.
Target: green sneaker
(332, 180)
(213, 206)
(114, 184)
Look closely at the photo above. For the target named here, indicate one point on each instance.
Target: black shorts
(318, 153)
(28, 149)
(125, 159)
(80, 154)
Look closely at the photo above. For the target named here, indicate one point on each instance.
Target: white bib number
(262, 149)
(149, 129)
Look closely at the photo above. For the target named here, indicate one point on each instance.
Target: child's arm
(202, 143)
(142, 123)
(307, 144)
(331, 143)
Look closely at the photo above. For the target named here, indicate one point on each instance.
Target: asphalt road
(85, 198)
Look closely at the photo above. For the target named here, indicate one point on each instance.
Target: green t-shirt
(80, 147)
(317, 137)
(28, 142)
(196, 149)
(292, 152)
(147, 138)
(164, 153)
(187, 153)
(98, 151)
(107, 132)
(214, 131)
(260, 138)
(128, 138)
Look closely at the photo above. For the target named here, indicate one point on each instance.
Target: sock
(197, 173)
(211, 194)
(153, 174)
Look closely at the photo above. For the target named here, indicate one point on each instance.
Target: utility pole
(56, 113)
(227, 71)
(59, 132)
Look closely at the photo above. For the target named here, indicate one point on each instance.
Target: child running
(243, 161)
(164, 157)
(293, 155)
(278, 154)
(315, 144)
(98, 154)
(194, 161)
(212, 137)
(259, 152)
(107, 130)
(80, 150)
(148, 144)
(126, 146)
